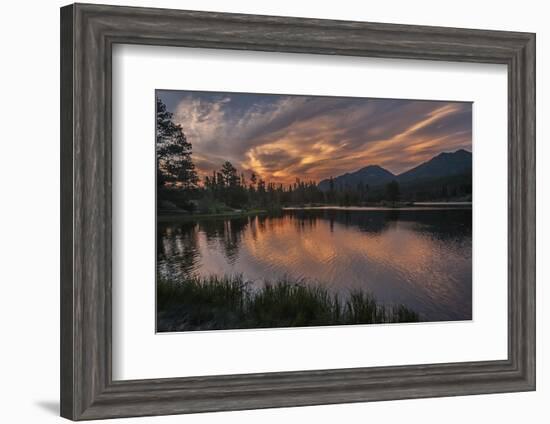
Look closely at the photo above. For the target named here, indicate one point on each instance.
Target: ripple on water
(420, 258)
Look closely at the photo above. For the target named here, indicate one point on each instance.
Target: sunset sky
(282, 137)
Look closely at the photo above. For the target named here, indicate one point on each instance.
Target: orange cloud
(281, 138)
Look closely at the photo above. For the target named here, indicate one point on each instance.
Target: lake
(419, 257)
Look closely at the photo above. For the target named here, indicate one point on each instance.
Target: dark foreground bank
(230, 303)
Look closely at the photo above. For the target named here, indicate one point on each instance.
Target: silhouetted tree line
(239, 191)
(178, 183)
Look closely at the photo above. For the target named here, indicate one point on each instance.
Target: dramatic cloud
(284, 137)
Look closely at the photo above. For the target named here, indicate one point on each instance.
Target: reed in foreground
(228, 302)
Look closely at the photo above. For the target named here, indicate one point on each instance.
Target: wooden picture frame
(88, 33)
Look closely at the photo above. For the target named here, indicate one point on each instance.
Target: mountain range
(448, 164)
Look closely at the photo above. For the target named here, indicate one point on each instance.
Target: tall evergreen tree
(253, 180)
(175, 167)
(392, 191)
(230, 176)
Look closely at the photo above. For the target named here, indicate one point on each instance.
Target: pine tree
(174, 167)
(253, 180)
(392, 191)
(230, 176)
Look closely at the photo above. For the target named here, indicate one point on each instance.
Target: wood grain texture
(66, 212)
(88, 33)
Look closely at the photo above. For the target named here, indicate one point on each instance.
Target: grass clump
(228, 302)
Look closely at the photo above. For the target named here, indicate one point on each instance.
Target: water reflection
(421, 258)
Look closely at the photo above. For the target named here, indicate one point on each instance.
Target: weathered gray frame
(88, 33)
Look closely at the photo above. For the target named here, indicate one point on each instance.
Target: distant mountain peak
(374, 169)
(370, 174)
(458, 152)
(444, 164)
(441, 165)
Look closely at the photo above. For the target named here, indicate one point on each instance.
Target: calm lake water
(418, 257)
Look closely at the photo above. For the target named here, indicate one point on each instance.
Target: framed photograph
(274, 210)
(268, 211)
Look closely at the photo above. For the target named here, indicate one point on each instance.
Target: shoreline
(418, 206)
(408, 206)
(230, 214)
